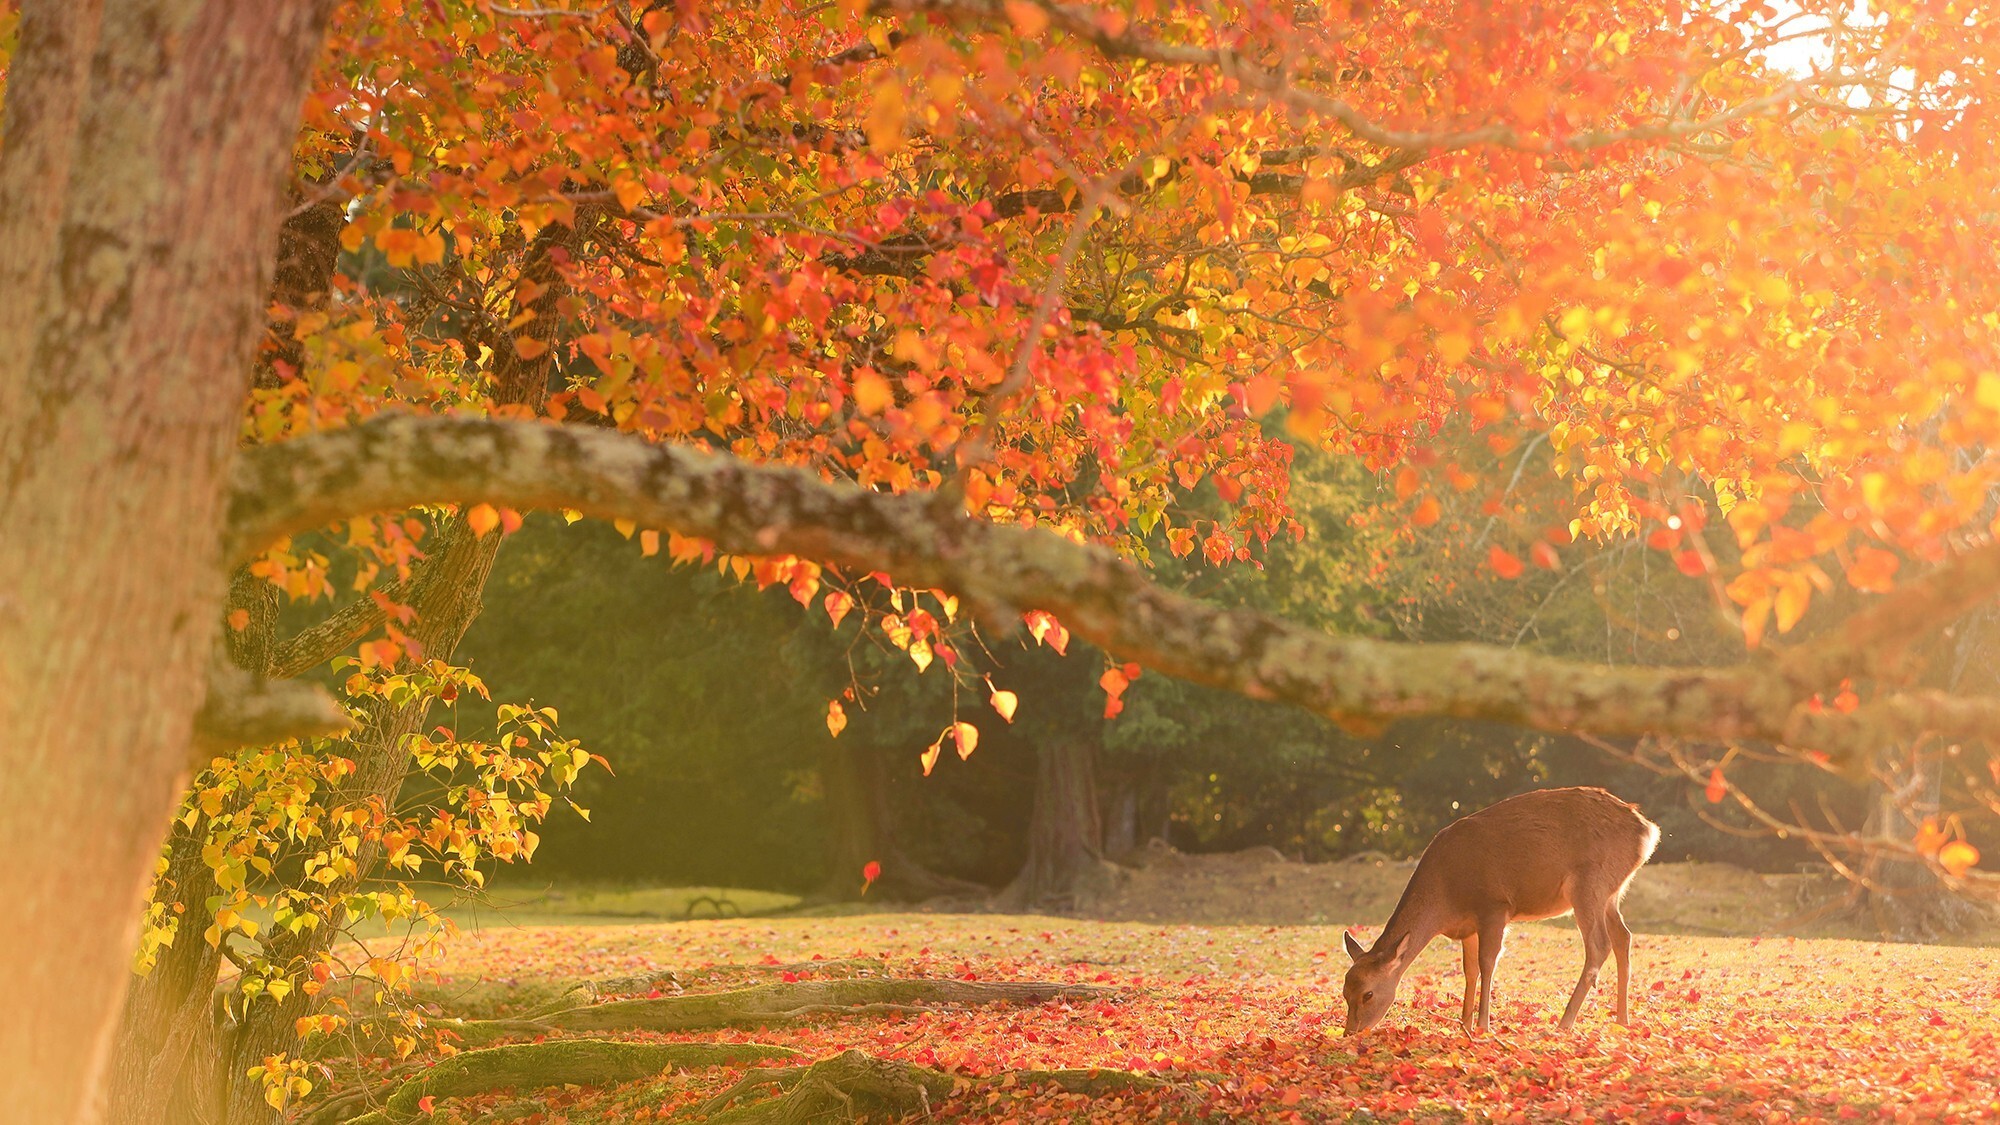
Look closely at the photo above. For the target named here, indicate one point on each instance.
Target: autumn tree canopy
(945, 310)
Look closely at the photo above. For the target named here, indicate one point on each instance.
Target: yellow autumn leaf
(888, 110)
(966, 736)
(872, 393)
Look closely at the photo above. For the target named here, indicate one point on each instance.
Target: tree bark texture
(446, 600)
(444, 592)
(140, 220)
(164, 1066)
(860, 829)
(1065, 863)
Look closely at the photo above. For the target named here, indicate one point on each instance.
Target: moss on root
(582, 1062)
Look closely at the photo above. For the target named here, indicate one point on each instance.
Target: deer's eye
(1367, 996)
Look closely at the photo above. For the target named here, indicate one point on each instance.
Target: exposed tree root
(534, 999)
(852, 1085)
(846, 1087)
(584, 1062)
(775, 1003)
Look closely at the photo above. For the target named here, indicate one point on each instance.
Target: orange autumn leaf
(1873, 570)
(1005, 702)
(1930, 837)
(482, 518)
(838, 603)
(966, 737)
(1958, 857)
(1503, 562)
(836, 718)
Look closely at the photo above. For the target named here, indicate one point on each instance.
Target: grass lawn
(1245, 1022)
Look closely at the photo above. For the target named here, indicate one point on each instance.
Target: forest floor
(1200, 1021)
(1243, 1022)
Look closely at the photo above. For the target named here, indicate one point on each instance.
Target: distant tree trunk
(447, 601)
(860, 830)
(163, 1066)
(1065, 864)
(164, 1063)
(1121, 816)
(1913, 904)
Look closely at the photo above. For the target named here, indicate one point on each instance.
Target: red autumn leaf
(870, 871)
(1503, 562)
(1716, 789)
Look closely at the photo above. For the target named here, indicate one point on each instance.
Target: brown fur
(1538, 855)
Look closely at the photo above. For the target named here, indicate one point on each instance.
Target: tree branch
(393, 462)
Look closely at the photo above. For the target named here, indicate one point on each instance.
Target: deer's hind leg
(1594, 923)
(1492, 932)
(1621, 948)
(1471, 947)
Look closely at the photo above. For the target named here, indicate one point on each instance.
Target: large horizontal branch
(395, 462)
(1873, 641)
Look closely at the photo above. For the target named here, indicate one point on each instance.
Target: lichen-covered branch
(744, 508)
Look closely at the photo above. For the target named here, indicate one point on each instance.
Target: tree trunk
(1121, 816)
(140, 222)
(1911, 904)
(163, 1067)
(446, 601)
(860, 830)
(1065, 865)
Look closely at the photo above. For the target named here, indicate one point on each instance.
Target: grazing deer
(1538, 855)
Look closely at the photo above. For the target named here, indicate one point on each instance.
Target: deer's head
(1371, 981)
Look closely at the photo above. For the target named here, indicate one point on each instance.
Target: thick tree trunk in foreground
(120, 395)
(164, 1066)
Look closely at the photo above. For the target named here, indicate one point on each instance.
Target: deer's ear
(1402, 947)
(1354, 950)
